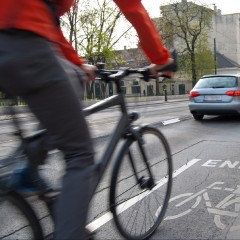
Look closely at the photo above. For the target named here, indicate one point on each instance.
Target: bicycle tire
(18, 220)
(128, 214)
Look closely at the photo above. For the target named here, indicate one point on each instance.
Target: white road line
(218, 222)
(222, 212)
(185, 167)
(170, 121)
(178, 215)
(224, 201)
(97, 223)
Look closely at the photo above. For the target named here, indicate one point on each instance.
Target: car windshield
(217, 82)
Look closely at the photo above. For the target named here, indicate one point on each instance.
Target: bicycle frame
(120, 129)
(125, 121)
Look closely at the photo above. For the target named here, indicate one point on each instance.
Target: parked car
(215, 95)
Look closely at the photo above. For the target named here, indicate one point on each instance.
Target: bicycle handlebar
(113, 75)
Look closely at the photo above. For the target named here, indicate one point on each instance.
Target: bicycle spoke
(140, 202)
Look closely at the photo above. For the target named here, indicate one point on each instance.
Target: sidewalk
(152, 99)
(23, 111)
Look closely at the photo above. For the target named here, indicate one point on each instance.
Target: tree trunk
(194, 74)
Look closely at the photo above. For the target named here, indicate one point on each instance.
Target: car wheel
(198, 116)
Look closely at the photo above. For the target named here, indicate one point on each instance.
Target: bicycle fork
(145, 182)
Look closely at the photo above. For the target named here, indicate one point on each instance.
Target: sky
(226, 6)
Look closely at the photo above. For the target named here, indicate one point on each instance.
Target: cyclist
(37, 63)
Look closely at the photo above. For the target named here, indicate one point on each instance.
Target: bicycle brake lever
(173, 66)
(146, 75)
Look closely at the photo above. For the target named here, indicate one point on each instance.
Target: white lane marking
(97, 223)
(170, 121)
(224, 201)
(190, 198)
(222, 212)
(218, 222)
(198, 200)
(178, 215)
(185, 167)
(229, 189)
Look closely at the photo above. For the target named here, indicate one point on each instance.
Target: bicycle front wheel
(18, 221)
(141, 184)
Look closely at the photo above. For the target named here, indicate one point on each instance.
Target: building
(223, 37)
(225, 65)
(224, 40)
(226, 35)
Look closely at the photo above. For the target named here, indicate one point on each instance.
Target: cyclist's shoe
(25, 181)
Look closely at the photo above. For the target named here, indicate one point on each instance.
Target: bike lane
(205, 200)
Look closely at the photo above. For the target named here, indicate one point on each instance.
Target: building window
(135, 82)
(136, 89)
(124, 90)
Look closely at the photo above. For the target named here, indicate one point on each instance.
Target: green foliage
(94, 32)
(186, 24)
(204, 58)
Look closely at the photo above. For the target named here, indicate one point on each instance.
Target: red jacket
(35, 16)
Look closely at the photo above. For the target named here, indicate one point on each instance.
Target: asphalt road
(205, 199)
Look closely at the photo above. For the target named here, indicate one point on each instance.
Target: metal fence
(6, 101)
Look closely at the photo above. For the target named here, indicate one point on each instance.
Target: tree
(71, 22)
(185, 23)
(204, 59)
(93, 28)
(205, 62)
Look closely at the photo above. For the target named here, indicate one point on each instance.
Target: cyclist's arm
(67, 49)
(149, 38)
(63, 6)
(71, 55)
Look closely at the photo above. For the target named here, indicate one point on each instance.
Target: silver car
(215, 95)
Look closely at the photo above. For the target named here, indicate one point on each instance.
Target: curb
(156, 124)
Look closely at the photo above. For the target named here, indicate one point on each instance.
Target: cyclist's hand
(89, 70)
(156, 69)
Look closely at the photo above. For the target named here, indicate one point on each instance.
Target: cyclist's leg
(77, 78)
(29, 68)
(75, 145)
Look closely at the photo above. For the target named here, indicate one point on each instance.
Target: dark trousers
(30, 68)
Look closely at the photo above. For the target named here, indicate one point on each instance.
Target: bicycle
(147, 168)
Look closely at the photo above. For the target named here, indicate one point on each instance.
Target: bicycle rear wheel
(138, 204)
(18, 220)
